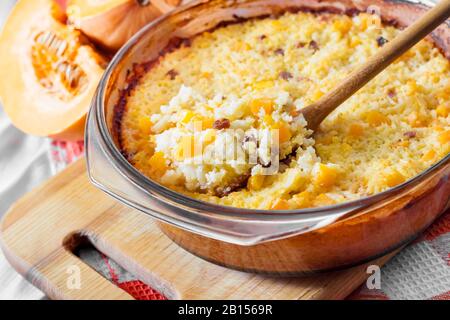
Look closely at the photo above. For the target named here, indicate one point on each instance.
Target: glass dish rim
(165, 194)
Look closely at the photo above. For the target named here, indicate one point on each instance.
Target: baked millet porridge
(217, 118)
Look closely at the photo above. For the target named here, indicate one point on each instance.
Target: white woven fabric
(417, 273)
(24, 164)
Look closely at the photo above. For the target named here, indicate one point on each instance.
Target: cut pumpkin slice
(110, 23)
(49, 71)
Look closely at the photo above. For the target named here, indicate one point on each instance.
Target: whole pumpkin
(110, 23)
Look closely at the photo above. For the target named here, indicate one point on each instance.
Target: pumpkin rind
(111, 23)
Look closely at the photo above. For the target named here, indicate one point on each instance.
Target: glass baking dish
(287, 242)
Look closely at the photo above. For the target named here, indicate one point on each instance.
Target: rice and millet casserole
(232, 92)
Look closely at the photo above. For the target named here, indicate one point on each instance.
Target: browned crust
(132, 80)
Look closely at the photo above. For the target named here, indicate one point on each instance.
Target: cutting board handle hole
(81, 246)
(75, 241)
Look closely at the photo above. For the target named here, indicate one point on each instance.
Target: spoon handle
(316, 112)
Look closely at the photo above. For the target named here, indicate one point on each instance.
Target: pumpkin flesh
(51, 71)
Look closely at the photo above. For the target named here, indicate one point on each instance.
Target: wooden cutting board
(37, 232)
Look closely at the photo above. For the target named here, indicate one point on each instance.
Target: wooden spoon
(318, 111)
